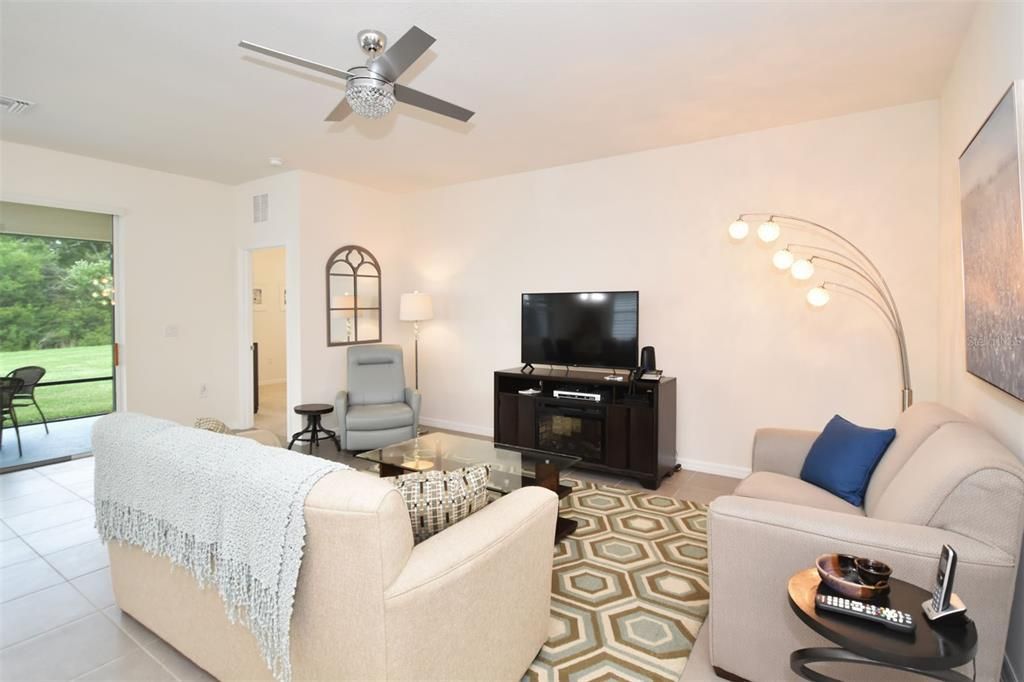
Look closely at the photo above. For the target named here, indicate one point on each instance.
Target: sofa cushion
(913, 428)
(766, 485)
(963, 480)
(438, 499)
(843, 457)
(377, 417)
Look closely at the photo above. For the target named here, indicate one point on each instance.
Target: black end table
(314, 429)
(932, 650)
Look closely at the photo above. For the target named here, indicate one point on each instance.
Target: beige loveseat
(943, 480)
(471, 603)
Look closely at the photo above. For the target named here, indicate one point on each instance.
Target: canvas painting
(993, 248)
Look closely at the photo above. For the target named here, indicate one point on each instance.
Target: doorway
(57, 350)
(269, 334)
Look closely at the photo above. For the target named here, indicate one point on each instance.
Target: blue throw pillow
(844, 456)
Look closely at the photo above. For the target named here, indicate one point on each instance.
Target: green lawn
(76, 400)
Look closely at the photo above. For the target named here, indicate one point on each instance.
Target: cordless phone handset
(944, 580)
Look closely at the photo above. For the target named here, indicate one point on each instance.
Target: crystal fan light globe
(370, 97)
(802, 269)
(739, 230)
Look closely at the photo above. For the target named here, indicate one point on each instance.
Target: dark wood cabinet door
(527, 422)
(616, 437)
(642, 456)
(507, 430)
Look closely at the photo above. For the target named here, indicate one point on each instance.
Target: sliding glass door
(57, 299)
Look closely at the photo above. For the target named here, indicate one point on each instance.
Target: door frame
(245, 335)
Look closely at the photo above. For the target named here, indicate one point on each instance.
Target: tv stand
(630, 431)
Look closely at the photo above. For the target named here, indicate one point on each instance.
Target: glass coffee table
(511, 468)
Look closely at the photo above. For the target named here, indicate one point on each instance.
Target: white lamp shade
(415, 307)
(344, 301)
(769, 231)
(783, 259)
(802, 269)
(818, 296)
(739, 230)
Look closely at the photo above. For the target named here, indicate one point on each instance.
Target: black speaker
(647, 361)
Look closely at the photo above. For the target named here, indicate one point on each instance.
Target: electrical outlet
(203, 391)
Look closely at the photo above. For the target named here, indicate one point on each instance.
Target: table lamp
(415, 308)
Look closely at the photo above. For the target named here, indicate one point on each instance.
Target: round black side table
(932, 650)
(314, 429)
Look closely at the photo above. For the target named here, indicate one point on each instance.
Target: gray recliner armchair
(377, 409)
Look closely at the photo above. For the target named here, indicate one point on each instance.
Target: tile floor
(273, 410)
(58, 614)
(66, 438)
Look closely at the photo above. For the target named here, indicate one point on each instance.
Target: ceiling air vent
(260, 208)
(14, 105)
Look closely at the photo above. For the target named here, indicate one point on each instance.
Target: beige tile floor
(57, 611)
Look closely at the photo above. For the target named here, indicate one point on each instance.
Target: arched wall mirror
(353, 297)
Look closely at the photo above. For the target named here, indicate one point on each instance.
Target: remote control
(890, 618)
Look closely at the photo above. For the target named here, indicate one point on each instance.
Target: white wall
(336, 213)
(312, 216)
(178, 275)
(745, 346)
(268, 319)
(991, 57)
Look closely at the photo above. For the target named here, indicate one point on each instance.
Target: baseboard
(706, 467)
(1008, 674)
(457, 426)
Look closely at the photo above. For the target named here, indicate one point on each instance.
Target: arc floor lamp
(799, 260)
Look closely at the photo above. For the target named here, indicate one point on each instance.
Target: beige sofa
(943, 480)
(471, 603)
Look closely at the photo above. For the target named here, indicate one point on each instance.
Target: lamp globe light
(818, 296)
(739, 230)
(802, 269)
(783, 259)
(769, 231)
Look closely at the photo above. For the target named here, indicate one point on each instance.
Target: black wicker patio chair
(9, 387)
(27, 395)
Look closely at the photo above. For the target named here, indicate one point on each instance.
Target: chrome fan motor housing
(372, 42)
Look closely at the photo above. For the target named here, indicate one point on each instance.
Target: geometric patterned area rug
(629, 589)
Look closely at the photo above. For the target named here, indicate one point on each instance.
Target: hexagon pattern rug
(629, 589)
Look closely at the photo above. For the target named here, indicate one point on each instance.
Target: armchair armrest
(756, 545)
(412, 399)
(473, 601)
(341, 409)
(781, 451)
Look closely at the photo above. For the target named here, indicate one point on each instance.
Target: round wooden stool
(314, 429)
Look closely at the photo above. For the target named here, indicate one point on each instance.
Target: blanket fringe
(245, 598)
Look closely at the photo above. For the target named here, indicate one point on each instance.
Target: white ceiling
(163, 85)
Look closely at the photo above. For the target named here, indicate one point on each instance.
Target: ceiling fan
(371, 91)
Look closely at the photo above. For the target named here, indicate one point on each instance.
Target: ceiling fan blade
(430, 103)
(400, 56)
(339, 112)
(299, 61)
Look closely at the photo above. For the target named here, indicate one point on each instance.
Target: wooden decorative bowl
(839, 574)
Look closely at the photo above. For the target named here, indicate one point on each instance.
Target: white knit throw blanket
(226, 508)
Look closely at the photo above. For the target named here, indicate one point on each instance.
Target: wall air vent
(260, 208)
(14, 105)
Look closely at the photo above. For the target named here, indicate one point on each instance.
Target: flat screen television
(586, 329)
